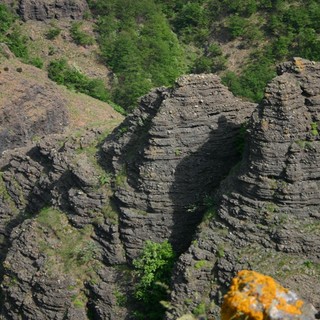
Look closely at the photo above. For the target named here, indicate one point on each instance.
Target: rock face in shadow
(267, 217)
(170, 154)
(49, 9)
(56, 233)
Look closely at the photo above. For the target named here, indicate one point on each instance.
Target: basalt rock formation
(267, 213)
(169, 155)
(76, 210)
(72, 212)
(49, 9)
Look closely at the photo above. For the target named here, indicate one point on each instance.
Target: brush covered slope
(32, 106)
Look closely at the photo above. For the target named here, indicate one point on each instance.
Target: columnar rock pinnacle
(267, 216)
(170, 154)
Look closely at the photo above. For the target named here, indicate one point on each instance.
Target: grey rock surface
(35, 281)
(267, 217)
(154, 178)
(165, 158)
(170, 154)
(49, 9)
(28, 109)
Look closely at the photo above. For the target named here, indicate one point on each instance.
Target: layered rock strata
(49, 9)
(267, 217)
(170, 154)
(56, 231)
(65, 247)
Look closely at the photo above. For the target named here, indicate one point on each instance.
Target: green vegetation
(314, 128)
(60, 72)
(150, 43)
(10, 33)
(200, 309)
(52, 33)
(153, 269)
(137, 43)
(73, 251)
(201, 264)
(80, 37)
(6, 21)
(110, 212)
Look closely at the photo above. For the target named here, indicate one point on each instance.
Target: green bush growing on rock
(314, 128)
(153, 270)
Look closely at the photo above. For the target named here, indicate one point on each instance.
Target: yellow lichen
(251, 296)
(299, 64)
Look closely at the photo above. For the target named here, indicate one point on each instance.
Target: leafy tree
(153, 270)
(137, 43)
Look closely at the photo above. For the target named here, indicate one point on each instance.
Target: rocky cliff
(77, 209)
(74, 214)
(49, 9)
(267, 212)
(169, 155)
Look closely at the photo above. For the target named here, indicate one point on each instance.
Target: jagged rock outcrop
(267, 217)
(169, 154)
(49, 9)
(166, 157)
(76, 211)
(49, 255)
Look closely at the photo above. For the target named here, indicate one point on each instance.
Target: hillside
(32, 106)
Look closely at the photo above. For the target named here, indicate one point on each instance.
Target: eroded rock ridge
(267, 214)
(74, 214)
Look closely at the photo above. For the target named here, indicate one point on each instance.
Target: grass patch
(68, 250)
(121, 178)
(110, 212)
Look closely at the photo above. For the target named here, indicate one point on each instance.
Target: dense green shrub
(137, 43)
(18, 44)
(6, 20)
(60, 72)
(211, 61)
(153, 270)
(37, 62)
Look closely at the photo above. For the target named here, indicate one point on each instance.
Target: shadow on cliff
(197, 177)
